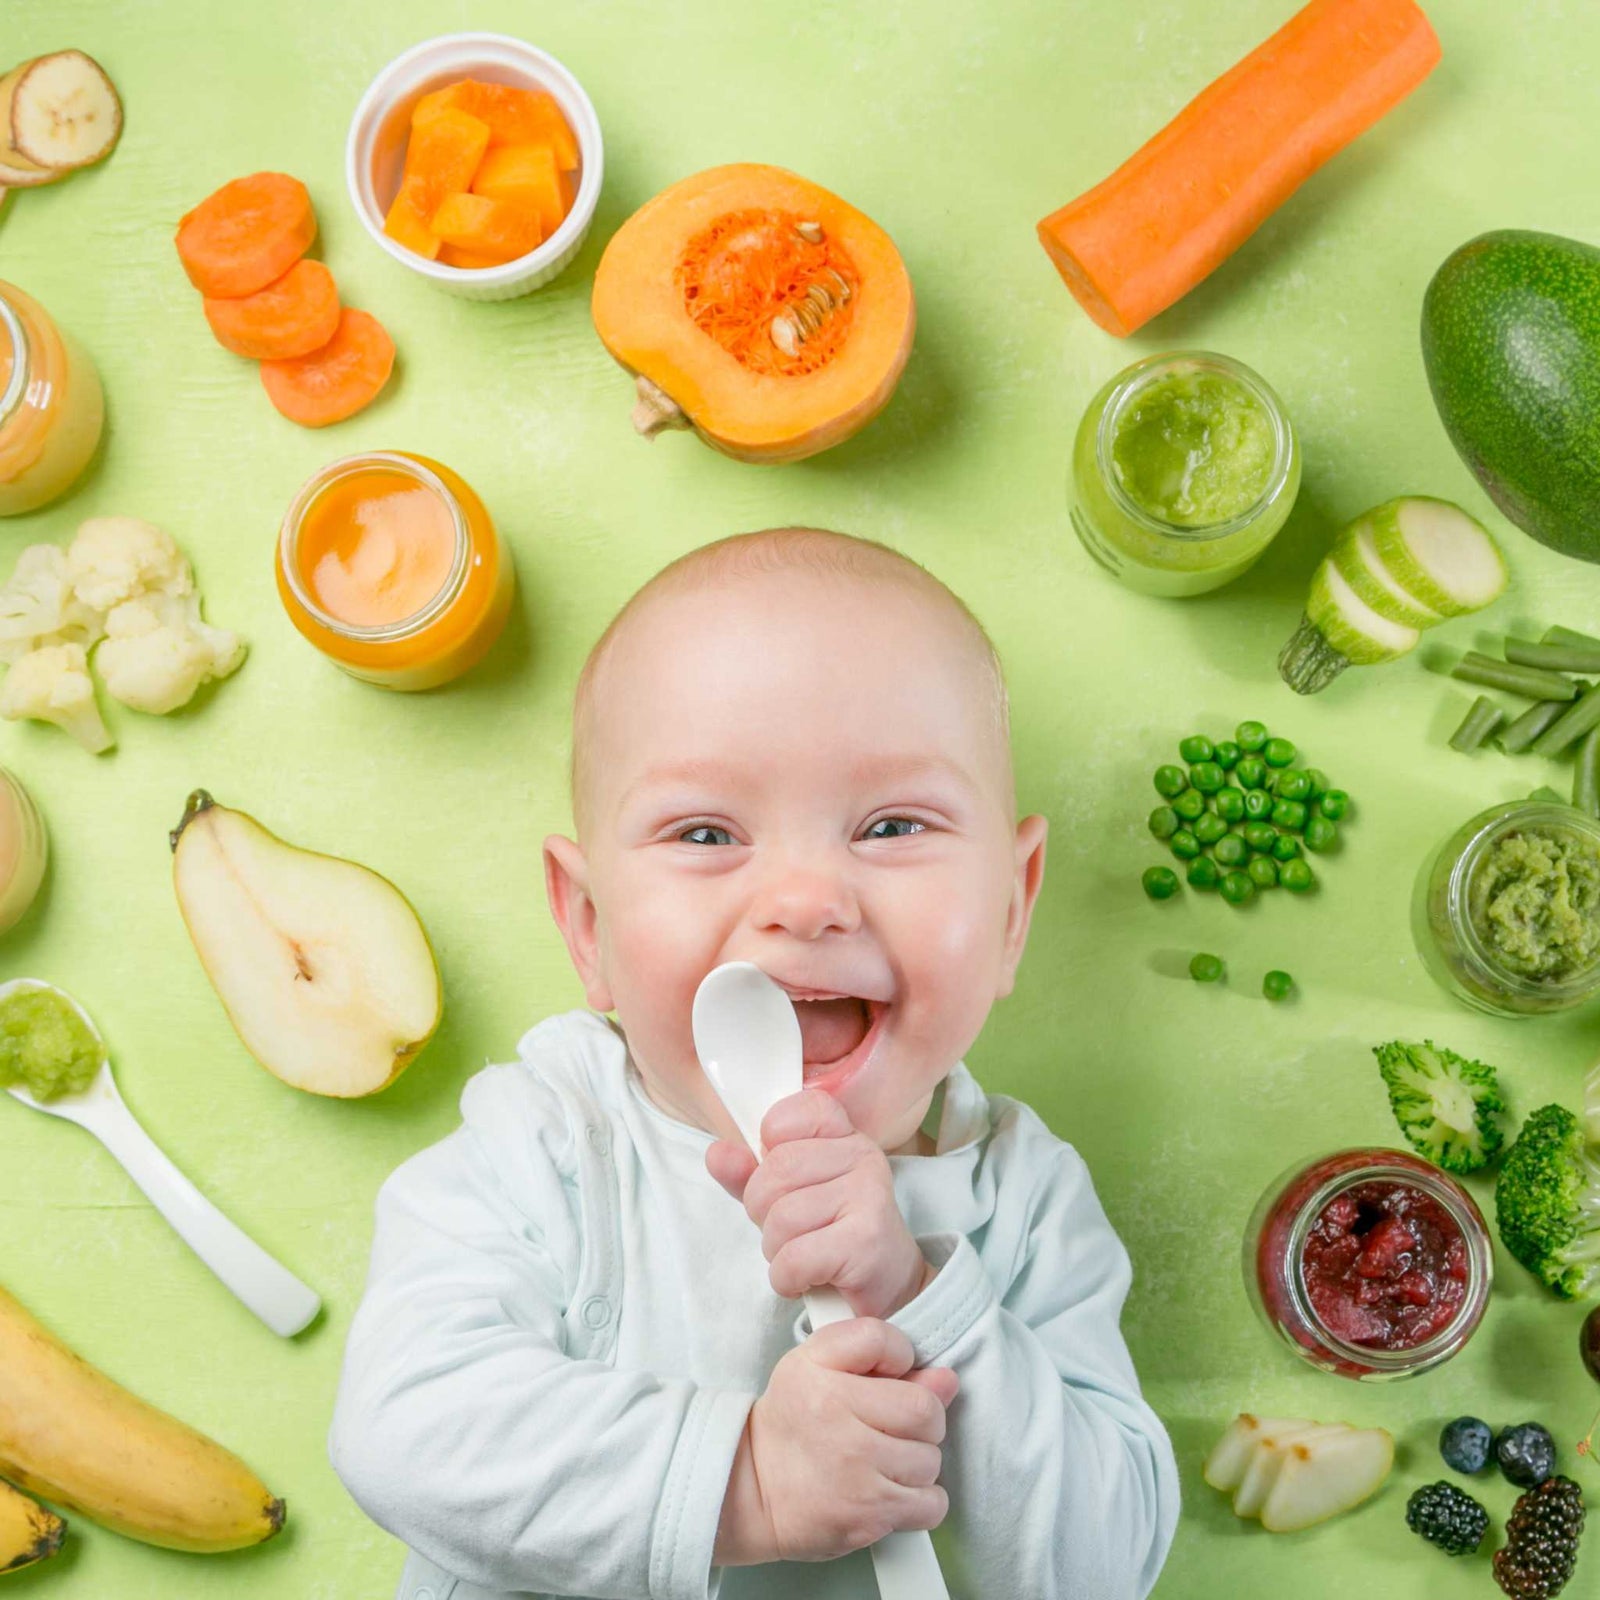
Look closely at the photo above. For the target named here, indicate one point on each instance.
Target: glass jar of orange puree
(51, 406)
(390, 565)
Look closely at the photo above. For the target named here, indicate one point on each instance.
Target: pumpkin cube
(486, 227)
(442, 155)
(527, 175)
(514, 115)
(451, 255)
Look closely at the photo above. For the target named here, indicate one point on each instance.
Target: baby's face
(809, 776)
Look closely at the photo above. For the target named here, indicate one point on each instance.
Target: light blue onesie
(567, 1321)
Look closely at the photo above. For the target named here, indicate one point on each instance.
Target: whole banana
(71, 1435)
(29, 1532)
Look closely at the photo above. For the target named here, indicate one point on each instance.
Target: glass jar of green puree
(1184, 469)
(1507, 915)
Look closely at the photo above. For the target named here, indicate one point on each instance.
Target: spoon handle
(267, 1287)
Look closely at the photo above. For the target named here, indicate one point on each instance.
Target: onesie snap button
(423, 1594)
(597, 1140)
(596, 1312)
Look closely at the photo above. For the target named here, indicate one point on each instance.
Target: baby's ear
(1031, 832)
(566, 886)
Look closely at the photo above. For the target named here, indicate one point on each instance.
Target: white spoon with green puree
(747, 1036)
(269, 1289)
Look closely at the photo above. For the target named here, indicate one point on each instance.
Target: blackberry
(1541, 1545)
(1526, 1453)
(1448, 1517)
(1466, 1444)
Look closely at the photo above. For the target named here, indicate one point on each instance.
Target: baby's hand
(824, 1201)
(841, 1449)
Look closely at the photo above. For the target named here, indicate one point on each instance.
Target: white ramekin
(375, 152)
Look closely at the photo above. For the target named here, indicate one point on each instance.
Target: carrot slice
(515, 116)
(247, 234)
(487, 227)
(292, 316)
(441, 157)
(336, 381)
(1182, 204)
(530, 176)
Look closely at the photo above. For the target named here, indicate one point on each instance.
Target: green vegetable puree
(44, 1045)
(1194, 448)
(1535, 902)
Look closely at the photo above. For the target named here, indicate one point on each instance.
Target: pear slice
(1267, 1462)
(322, 966)
(1231, 1454)
(1322, 1477)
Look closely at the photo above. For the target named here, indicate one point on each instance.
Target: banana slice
(57, 113)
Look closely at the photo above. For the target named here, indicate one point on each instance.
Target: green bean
(1578, 641)
(1531, 683)
(1196, 748)
(1205, 968)
(1276, 985)
(1481, 720)
(1518, 734)
(1160, 883)
(1189, 804)
(1586, 778)
(1203, 873)
(1209, 827)
(1554, 657)
(1570, 726)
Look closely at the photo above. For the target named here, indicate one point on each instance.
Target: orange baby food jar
(51, 406)
(390, 565)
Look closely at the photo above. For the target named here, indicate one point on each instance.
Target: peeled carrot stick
(336, 381)
(1181, 205)
(292, 316)
(246, 234)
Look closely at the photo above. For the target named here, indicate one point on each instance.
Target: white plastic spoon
(269, 1289)
(747, 1036)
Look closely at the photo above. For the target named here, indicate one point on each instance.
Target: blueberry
(1526, 1453)
(1465, 1444)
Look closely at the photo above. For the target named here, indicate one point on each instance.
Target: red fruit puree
(1384, 1266)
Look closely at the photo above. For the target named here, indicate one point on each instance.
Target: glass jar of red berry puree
(1370, 1263)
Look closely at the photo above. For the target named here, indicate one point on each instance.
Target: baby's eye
(907, 824)
(688, 834)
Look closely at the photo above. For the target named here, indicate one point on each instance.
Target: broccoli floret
(1448, 1107)
(1547, 1202)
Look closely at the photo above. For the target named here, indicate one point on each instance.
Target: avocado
(1511, 342)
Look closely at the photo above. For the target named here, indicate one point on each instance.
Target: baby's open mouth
(831, 1029)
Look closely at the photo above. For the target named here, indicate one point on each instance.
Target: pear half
(322, 966)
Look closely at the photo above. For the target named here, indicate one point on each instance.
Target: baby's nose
(806, 901)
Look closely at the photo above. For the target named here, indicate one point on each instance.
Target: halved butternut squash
(757, 308)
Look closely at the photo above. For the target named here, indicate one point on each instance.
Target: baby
(582, 1366)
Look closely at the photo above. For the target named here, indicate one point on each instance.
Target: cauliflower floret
(38, 606)
(114, 559)
(53, 685)
(157, 652)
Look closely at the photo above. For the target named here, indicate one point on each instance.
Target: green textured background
(956, 127)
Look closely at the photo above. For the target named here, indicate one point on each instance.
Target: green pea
(1163, 822)
(1296, 875)
(1289, 814)
(1279, 752)
(1263, 872)
(1334, 804)
(1251, 772)
(1203, 873)
(1160, 883)
(1227, 754)
(1252, 736)
(1257, 804)
(1171, 781)
(1321, 835)
(1229, 805)
(1205, 968)
(1258, 834)
(1231, 851)
(1184, 845)
(1207, 776)
(1189, 804)
(1196, 748)
(1319, 783)
(1209, 828)
(1237, 888)
(1276, 985)
(1285, 847)
(1293, 784)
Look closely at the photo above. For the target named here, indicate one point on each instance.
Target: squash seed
(819, 297)
(844, 288)
(784, 336)
(811, 232)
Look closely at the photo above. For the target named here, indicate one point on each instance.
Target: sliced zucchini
(1338, 630)
(1442, 556)
(1355, 554)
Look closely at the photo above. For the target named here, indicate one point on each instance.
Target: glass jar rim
(1495, 823)
(1480, 1263)
(1132, 381)
(17, 384)
(319, 483)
